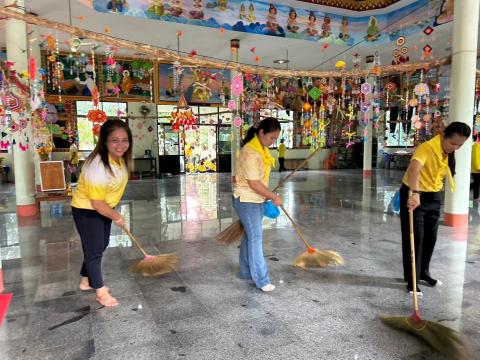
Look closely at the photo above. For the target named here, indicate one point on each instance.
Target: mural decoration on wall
(264, 18)
(72, 75)
(199, 85)
(126, 78)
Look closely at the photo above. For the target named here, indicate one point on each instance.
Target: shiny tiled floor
(203, 311)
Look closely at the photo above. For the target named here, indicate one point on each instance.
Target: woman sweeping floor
(422, 183)
(250, 192)
(101, 186)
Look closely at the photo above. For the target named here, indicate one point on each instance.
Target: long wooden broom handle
(285, 179)
(135, 241)
(296, 227)
(414, 266)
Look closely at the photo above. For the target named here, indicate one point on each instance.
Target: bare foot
(84, 285)
(105, 299)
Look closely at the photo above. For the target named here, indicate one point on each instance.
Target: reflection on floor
(203, 311)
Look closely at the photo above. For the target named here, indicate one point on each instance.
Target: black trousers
(94, 230)
(425, 223)
(476, 185)
(281, 161)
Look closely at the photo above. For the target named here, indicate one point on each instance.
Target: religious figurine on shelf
(272, 24)
(326, 27)
(251, 13)
(344, 35)
(292, 21)
(197, 12)
(156, 8)
(312, 24)
(243, 11)
(373, 32)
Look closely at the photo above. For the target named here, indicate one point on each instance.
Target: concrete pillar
(368, 139)
(17, 46)
(462, 91)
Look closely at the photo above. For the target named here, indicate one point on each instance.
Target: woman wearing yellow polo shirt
(250, 192)
(421, 192)
(101, 186)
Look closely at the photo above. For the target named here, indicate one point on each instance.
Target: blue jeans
(252, 262)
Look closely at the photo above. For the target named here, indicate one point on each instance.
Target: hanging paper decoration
(97, 116)
(340, 64)
(421, 89)
(237, 85)
(232, 105)
(366, 88)
(400, 54)
(314, 93)
(237, 121)
(183, 116)
(391, 86)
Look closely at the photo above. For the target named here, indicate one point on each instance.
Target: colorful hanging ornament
(237, 85)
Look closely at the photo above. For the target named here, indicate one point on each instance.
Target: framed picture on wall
(200, 85)
(69, 74)
(52, 176)
(127, 78)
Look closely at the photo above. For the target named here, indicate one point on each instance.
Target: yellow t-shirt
(282, 150)
(476, 157)
(250, 166)
(435, 165)
(97, 183)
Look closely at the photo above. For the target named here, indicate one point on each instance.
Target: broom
(151, 265)
(313, 257)
(233, 233)
(441, 338)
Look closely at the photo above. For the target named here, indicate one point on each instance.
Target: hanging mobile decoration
(237, 85)
(349, 133)
(183, 116)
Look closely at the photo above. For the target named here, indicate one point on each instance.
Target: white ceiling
(303, 54)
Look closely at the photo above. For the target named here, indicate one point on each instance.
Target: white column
(462, 91)
(367, 143)
(235, 131)
(17, 46)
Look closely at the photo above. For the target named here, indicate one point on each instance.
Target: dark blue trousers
(94, 230)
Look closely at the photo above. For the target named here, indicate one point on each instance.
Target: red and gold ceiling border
(355, 5)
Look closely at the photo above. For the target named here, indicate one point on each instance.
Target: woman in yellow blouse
(421, 192)
(101, 186)
(250, 192)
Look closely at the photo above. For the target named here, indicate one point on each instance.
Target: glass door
(170, 150)
(224, 148)
(201, 149)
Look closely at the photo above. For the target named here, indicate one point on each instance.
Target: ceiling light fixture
(281, 61)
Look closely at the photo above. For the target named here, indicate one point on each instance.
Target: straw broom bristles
(313, 257)
(151, 265)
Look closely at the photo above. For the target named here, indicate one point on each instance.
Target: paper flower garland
(232, 105)
(97, 116)
(421, 89)
(237, 85)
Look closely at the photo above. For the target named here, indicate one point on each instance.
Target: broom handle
(135, 241)
(285, 179)
(295, 226)
(414, 266)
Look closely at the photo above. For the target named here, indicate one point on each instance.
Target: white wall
(143, 138)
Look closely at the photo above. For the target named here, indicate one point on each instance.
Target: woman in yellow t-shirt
(476, 168)
(101, 186)
(420, 192)
(250, 192)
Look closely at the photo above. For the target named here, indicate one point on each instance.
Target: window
(86, 140)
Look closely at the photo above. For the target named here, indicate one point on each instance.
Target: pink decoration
(237, 85)
(32, 68)
(232, 105)
(237, 122)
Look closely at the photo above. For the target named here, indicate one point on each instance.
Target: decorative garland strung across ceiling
(162, 54)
